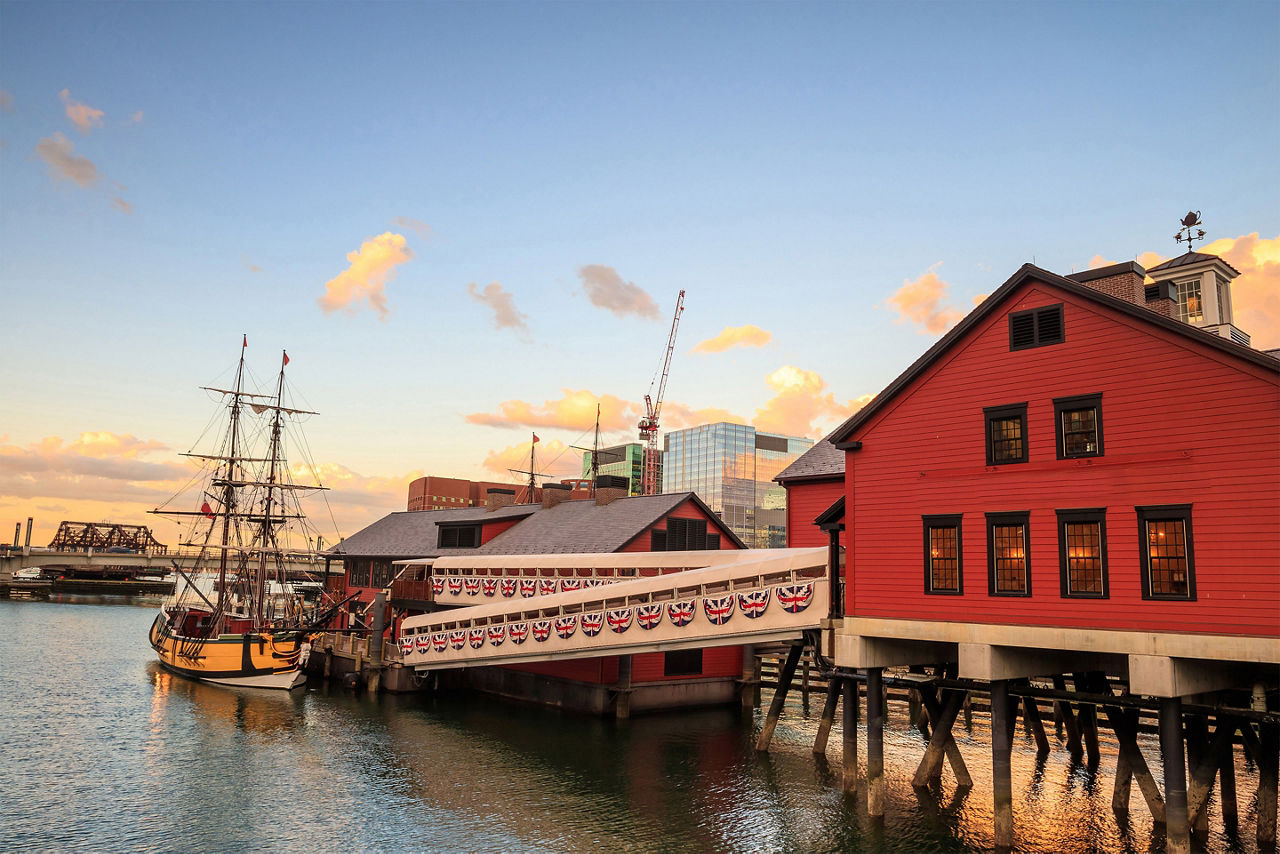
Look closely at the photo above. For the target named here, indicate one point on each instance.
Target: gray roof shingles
(412, 533)
(822, 460)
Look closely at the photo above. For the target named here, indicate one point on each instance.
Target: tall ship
(244, 613)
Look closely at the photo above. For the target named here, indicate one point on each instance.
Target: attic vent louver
(1036, 328)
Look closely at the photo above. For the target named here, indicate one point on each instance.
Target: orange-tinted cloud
(801, 404)
(365, 280)
(59, 154)
(6, 102)
(607, 290)
(1255, 295)
(735, 336)
(121, 205)
(678, 416)
(920, 301)
(417, 226)
(84, 117)
(1098, 261)
(249, 265)
(503, 305)
(135, 118)
(576, 410)
(555, 460)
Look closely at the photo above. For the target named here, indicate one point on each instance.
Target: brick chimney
(554, 493)
(495, 499)
(609, 488)
(1122, 281)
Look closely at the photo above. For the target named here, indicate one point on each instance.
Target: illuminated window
(1189, 310)
(1008, 554)
(1082, 553)
(1078, 422)
(943, 556)
(1168, 560)
(1006, 428)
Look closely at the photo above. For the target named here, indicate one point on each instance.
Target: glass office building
(623, 461)
(731, 467)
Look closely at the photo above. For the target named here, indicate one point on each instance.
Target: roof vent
(1037, 327)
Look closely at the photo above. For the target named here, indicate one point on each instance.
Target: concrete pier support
(750, 677)
(1001, 768)
(1177, 831)
(622, 706)
(875, 741)
(849, 688)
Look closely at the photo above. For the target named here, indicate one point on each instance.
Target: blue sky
(791, 166)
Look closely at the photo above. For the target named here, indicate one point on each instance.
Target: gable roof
(1025, 273)
(824, 461)
(414, 533)
(586, 527)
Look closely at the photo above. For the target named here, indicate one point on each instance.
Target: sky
(469, 222)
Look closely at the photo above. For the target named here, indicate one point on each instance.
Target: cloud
(1147, 260)
(607, 290)
(249, 265)
(735, 336)
(371, 266)
(505, 315)
(417, 226)
(678, 416)
(801, 404)
(84, 117)
(555, 460)
(135, 118)
(920, 302)
(576, 411)
(59, 154)
(1255, 294)
(6, 102)
(1098, 261)
(121, 205)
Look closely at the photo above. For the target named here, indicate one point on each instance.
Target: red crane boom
(652, 409)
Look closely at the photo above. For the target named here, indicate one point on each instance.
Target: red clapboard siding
(1182, 423)
(685, 510)
(721, 661)
(597, 671)
(493, 529)
(806, 501)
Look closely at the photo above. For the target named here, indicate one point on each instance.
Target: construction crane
(652, 409)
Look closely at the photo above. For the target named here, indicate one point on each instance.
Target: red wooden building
(610, 522)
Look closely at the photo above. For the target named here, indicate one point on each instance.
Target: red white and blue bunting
(476, 638)
(794, 598)
(472, 586)
(753, 603)
(519, 632)
(406, 646)
(490, 586)
(458, 639)
(620, 619)
(649, 616)
(592, 623)
(455, 586)
(681, 613)
(497, 634)
(568, 584)
(508, 586)
(566, 626)
(437, 585)
(718, 608)
(439, 642)
(547, 586)
(541, 630)
(528, 587)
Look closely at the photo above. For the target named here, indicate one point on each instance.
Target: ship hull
(247, 660)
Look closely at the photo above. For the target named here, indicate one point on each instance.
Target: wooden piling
(1177, 830)
(935, 709)
(1200, 780)
(849, 780)
(944, 716)
(1227, 785)
(1087, 719)
(1069, 723)
(622, 706)
(828, 715)
(785, 676)
(1124, 723)
(1268, 762)
(1001, 767)
(875, 741)
(1031, 714)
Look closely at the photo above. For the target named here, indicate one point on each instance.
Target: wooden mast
(228, 493)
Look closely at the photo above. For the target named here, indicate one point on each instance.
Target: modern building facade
(732, 468)
(621, 461)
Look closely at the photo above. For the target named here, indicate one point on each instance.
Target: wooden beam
(1205, 760)
(849, 780)
(1031, 714)
(875, 741)
(828, 715)
(1268, 760)
(1063, 708)
(785, 676)
(1001, 768)
(1177, 830)
(1124, 723)
(930, 767)
(933, 706)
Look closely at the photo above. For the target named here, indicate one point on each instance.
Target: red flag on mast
(536, 439)
(286, 357)
(245, 343)
(206, 509)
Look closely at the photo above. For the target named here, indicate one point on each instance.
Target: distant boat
(240, 618)
(31, 573)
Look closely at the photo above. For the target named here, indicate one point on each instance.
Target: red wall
(806, 501)
(685, 510)
(489, 530)
(1182, 424)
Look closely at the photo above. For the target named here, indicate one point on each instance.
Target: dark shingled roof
(1190, 258)
(413, 533)
(586, 527)
(821, 462)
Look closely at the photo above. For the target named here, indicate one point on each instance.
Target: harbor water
(103, 750)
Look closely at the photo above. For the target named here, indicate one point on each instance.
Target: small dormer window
(1189, 306)
(1037, 327)
(459, 537)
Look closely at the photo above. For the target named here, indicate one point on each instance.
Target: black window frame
(1166, 513)
(683, 662)
(1023, 518)
(1096, 515)
(683, 535)
(945, 520)
(1004, 413)
(450, 536)
(1041, 331)
(1076, 403)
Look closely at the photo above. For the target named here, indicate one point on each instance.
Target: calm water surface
(104, 751)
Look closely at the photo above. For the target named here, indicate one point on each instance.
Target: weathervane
(1189, 222)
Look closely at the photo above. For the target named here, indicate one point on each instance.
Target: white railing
(767, 594)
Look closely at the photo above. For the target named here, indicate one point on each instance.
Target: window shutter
(657, 541)
(1049, 325)
(713, 542)
(1022, 331)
